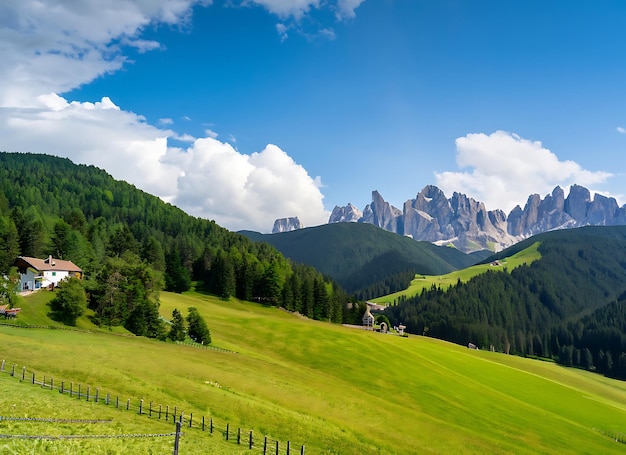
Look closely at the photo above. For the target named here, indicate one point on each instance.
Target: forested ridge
(365, 260)
(570, 305)
(131, 244)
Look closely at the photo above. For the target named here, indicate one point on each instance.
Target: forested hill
(364, 259)
(51, 206)
(570, 305)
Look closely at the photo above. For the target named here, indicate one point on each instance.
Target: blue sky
(246, 111)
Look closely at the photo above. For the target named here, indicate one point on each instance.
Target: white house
(37, 273)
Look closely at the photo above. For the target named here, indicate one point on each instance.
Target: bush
(70, 301)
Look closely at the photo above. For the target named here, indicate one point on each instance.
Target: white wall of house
(53, 277)
(33, 280)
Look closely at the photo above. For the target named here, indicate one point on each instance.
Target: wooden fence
(177, 416)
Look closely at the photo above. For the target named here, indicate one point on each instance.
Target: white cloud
(347, 7)
(503, 169)
(621, 129)
(209, 179)
(299, 8)
(288, 8)
(246, 191)
(55, 46)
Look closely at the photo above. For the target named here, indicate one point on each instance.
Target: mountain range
(465, 223)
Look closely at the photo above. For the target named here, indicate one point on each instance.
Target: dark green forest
(131, 245)
(569, 306)
(365, 260)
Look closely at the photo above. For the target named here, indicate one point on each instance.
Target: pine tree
(177, 329)
(197, 329)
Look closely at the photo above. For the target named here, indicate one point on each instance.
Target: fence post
(227, 430)
(43, 383)
(78, 391)
(202, 423)
(265, 445)
(250, 444)
(71, 386)
(276, 447)
(302, 450)
(177, 437)
(88, 388)
(211, 426)
(150, 411)
(167, 412)
(117, 401)
(2, 367)
(13, 371)
(238, 435)
(128, 404)
(174, 413)
(51, 383)
(33, 378)
(140, 406)
(23, 373)
(288, 447)
(97, 393)
(107, 399)
(62, 387)
(190, 418)
(160, 412)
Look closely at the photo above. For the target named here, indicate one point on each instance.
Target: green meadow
(331, 388)
(421, 282)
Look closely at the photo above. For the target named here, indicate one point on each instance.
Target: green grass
(334, 389)
(421, 282)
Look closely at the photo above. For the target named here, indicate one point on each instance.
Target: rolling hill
(330, 388)
(358, 256)
(568, 305)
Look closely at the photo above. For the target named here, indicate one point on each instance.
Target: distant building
(37, 273)
(368, 319)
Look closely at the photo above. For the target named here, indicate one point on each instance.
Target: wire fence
(176, 415)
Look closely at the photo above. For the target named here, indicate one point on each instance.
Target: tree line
(568, 306)
(131, 245)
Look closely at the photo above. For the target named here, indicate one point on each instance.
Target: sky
(244, 111)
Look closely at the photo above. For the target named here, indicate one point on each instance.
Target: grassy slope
(339, 390)
(420, 282)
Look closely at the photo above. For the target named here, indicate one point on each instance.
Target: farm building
(37, 273)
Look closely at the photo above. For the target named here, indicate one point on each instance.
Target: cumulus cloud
(53, 46)
(208, 178)
(502, 170)
(621, 129)
(246, 191)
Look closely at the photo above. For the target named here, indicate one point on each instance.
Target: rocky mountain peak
(466, 223)
(287, 224)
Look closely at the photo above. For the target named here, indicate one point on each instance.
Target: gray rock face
(467, 224)
(382, 214)
(287, 224)
(347, 214)
(577, 202)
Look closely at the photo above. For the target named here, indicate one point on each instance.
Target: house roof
(48, 264)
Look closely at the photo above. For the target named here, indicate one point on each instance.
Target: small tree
(177, 330)
(70, 301)
(197, 328)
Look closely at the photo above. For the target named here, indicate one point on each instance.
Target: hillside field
(329, 387)
(421, 282)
